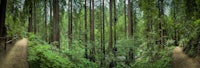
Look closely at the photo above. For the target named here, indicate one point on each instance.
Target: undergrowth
(44, 55)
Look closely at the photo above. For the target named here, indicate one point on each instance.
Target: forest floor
(15, 56)
(181, 60)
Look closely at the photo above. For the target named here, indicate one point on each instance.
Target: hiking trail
(15, 56)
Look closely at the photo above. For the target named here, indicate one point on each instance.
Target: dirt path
(15, 56)
(181, 60)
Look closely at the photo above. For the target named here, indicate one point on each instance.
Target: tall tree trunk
(102, 34)
(125, 27)
(103, 27)
(161, 14)
(35, 27)
(115, 34)
(56, 31)
(115, 22)
(3, 30)
(110, 35)
(30, 17)
(130, 57)
(70, 23)
(86, 30)
(130, 18)
(101, 23)
(175, 20)
(45, 20)
(51, 23)
(92, 39)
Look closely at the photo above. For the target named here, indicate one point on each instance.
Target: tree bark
(30, 17)
(45, 20)
(70, 23)
(125, 27)
(86, 30)
(56, 31)
(51, 23)
(102, 34)
(110, 35)
(35, 27)
(175, 20)
(161, 13)
(115, 32)
(3, 30)
(130, 15)
(103, 31)
(103, 28)
(92, 38)
(101, 23)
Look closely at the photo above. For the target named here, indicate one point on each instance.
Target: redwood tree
(125, 27)
(102, 15)
(110, 35)
(86, 37)
(115, 22)
(70, 23)
(34, 7)
(56, 31)
(92, 38)
(30, 17)
(51, 23)
(130, 18)
(2, 21)
(45, 20)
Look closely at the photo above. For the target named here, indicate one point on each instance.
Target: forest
(100, 33)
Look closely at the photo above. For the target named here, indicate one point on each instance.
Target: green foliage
(43, 55)
(76, 55)
(162, 59)
(14, 27)
(145, 56)
(146, 50)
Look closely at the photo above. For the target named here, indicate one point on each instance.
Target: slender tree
(30, 17)
(125, 27)
(45, 20)
(92, 38)
(86, 30)
(56, 31)
(160, 15)
(130, 57)
(103, 31)
(70, 23)
(115, 22)
(111, 30)
(115, 32)
(34, 27)
(175, 20)
(51, 23)
(130, 18)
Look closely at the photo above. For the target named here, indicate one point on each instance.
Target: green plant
(43, 55)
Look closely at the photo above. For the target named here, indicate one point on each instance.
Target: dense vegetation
(102, 33)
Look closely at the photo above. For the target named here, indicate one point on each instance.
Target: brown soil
(15, 56)
(181, 60)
